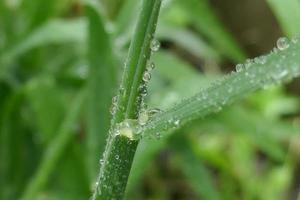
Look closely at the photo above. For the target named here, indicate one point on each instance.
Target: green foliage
(206, 133)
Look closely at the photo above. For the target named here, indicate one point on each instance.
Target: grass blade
(53, 32)
(47, 104)
(206, 22)
(145, 153)
(288, 15)
(55, 149)
(119, 152)
(281, 65)
(194, 169)
(188, 40)
(102, 73)
(9, 141)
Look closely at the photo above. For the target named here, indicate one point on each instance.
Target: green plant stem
(55, 149)
(120, 150)
(283, 65)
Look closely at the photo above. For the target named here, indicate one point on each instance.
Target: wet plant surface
(150, 99)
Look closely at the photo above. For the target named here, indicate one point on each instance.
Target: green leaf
(194, 170)
(53, 32)
(48, 106)
(11, 143)
(287, 14)
(101, 87)
(281, 65)
(54, 150)
(145, 153)
(201, 15)
(38, 12)
(187, 40)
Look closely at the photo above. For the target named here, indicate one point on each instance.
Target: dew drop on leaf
(155, 45)
(113, 108)
(150, 66)
(127, 128)
(177, 122)
(282, 43)
(143, 118)
(154, 111)
(239, 67)
(146, 77)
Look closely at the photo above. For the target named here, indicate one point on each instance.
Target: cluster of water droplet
(113, 108)
(150, 65)
(281, 44)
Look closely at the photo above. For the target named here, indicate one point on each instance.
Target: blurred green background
(60, 66)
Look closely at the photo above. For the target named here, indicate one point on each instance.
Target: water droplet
(248, 63)
(281, 75)
(177, 122)
(262, 60)
(113, 108)
(295, 39)
(143, 118)
(146, 77)
(158, 135)
(143, 90)
(127, 128)
(239, 67)
(150, 66)
(282, 43)
(154, 111)
(101, 161)
(155, 45)
(274, 50)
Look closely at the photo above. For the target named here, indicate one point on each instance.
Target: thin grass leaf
(206, 22)
(187, 40)
(46, 101)
(279, 66)
(119, 152)
(53, 32)
(54, 150)
(37, 12)
(112, 7)
(288, 15)
(8, 140)
(103, 72)
(124, 20)
(194, 170)
(145, 153)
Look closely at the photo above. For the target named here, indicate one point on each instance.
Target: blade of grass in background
(124, 20)
(9, 146)
(53, 32)
(120, 150)
(101, 88)
(112, 7)
(187, 40)
(7, 30)
(198, 176)
(287, 13)
(38, 12)
(145, 153)
(55, 149)
(206, 22)
(46, 101)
